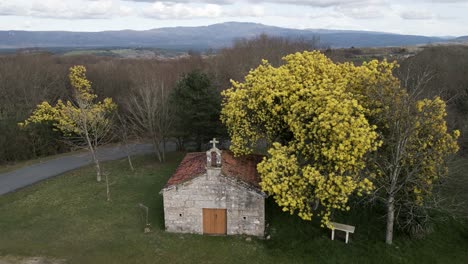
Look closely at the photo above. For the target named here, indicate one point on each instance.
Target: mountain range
(204, 37)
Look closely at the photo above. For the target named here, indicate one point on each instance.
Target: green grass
(67, 217)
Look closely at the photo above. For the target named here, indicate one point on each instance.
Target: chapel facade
(215, 193)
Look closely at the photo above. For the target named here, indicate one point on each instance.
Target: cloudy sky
(422, 17)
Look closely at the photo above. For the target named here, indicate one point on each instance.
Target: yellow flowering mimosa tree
(335, 130)
(416, 144)
(318, 131)
(83, 121)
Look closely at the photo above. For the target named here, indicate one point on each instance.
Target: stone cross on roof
(214, 141)
(213, 156)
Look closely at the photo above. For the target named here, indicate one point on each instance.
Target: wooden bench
(342, 227)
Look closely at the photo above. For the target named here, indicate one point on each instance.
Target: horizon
(437, 18)
(235, 22)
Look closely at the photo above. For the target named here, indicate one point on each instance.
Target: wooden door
(214, 221)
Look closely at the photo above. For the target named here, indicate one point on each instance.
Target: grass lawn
(67, 217)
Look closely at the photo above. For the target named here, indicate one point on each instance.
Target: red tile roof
(243, 168)
(193, 165)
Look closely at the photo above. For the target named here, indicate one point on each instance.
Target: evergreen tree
(197, 107)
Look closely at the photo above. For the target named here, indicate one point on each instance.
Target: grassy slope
(68, 217)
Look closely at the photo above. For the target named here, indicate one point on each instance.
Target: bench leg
(347, 236)
(333, 234)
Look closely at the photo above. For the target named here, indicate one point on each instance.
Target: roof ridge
(243, 168)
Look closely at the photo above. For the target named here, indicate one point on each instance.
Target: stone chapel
(215, 193)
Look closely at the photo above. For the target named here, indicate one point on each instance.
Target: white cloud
(417, 15)
(165, 10)
(444, 1)
(247, 11)
(218, 2)
(126, 10)
(7, 8)
(51, 8)
(71, 9)
(328, 14)
(315, 3)
(104, 8)
(361, 12)
(369, 9)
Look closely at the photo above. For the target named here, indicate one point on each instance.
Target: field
(126, 52)
(68, 218)
(115, 52)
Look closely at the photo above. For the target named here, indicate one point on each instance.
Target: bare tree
(411, 163)
(150, 115)
(246, 54)
(447, 66)
(123, 131)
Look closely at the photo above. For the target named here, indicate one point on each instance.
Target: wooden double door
(214, 221)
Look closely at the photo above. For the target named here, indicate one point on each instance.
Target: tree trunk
(96, 163)
(93, 154)
(180, 144)
(107, 187)
(95, 159)
(128, 157)
(157, 150)
(164, 151)
(390, 219)
(130, 163)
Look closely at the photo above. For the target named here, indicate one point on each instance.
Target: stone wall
(183, 204)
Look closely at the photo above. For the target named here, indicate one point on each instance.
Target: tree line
(26, 80)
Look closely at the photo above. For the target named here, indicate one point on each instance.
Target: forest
(189, 88)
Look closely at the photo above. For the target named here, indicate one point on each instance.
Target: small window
(244, 217)
(180, 215)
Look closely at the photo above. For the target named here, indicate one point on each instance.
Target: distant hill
(461, 39)
(203, 37)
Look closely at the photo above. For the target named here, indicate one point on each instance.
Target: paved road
(23, 177)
